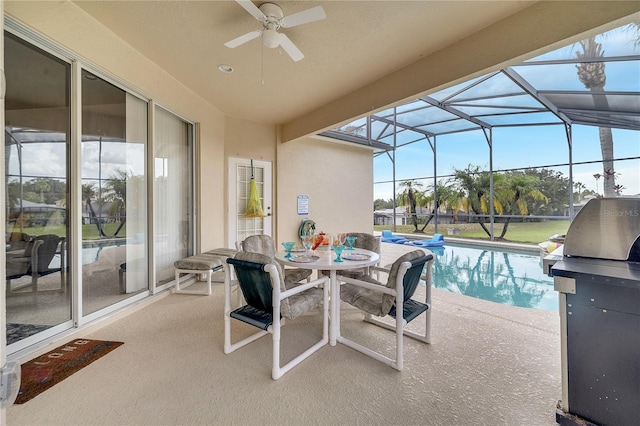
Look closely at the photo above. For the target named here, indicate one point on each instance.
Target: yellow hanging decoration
(254, 205)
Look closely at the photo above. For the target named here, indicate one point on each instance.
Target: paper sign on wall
(303, 205)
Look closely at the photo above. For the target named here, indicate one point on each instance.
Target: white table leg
(335, 300)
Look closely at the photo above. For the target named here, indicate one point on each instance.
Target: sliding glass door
(114, 194)
(173, 193)
(37, 138)
(81, 238)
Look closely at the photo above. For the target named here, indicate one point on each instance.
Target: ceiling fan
(272, 19)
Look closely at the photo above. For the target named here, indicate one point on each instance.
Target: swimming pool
(508, 277)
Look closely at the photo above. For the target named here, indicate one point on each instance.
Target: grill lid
(606, 228)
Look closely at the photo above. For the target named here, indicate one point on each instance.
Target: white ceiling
(358, 44)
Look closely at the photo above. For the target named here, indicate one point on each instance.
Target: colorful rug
(17, 332)
(42, 372)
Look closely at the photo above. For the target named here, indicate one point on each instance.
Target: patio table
(326, 262)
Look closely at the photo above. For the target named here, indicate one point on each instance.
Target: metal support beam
(455, 112)
(402, 126)
(527, 87)
(488, 134)
(569, 132)
(435, 181)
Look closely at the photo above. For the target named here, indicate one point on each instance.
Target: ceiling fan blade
(252, 9)
(304, 17)
(290, 48)
(243, 39)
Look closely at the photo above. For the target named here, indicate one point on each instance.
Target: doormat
(42, 372)
(17, 332)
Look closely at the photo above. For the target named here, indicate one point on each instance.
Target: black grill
(598, 280)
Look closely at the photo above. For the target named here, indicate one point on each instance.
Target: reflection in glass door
(37, 129)
(114, 194)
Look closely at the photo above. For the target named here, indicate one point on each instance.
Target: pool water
(91, 248)
(507, 277)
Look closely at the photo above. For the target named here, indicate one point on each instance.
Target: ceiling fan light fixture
(271, 38)
(272, 18)
(227, 69)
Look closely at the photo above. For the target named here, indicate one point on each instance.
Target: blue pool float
(436, 241)
(388, 237)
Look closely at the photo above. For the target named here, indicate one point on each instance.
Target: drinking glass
(350, 241)
(307, 242)
(338, 251)
(288, 246)
(341, 237)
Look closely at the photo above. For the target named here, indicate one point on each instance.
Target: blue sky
(533, 146)
(516, 148)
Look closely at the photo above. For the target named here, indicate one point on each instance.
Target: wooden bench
(204, 264)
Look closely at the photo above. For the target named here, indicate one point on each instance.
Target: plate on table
(304, 259)
(356, 256)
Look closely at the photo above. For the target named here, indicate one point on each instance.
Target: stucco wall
(248, 139)
(68, 26)
(336, 176)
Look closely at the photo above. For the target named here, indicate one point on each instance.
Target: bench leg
(180, 290)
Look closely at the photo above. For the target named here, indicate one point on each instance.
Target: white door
(239, 178)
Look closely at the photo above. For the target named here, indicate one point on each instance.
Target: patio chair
(269, 302)
(35, 261)
(376, 298)
(364, 241)
(264, 244)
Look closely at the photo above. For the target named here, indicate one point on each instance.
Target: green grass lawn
(89, 232)
(528, 233)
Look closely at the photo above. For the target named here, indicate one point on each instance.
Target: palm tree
(41, 185)
(516, 191)
(115, 192)
(473, 184)
(592, 75)
(448, 198)
(511, 193)
(579, 186)
(88, 192)
(409, 198)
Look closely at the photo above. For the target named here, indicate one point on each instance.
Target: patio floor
(488, 364)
